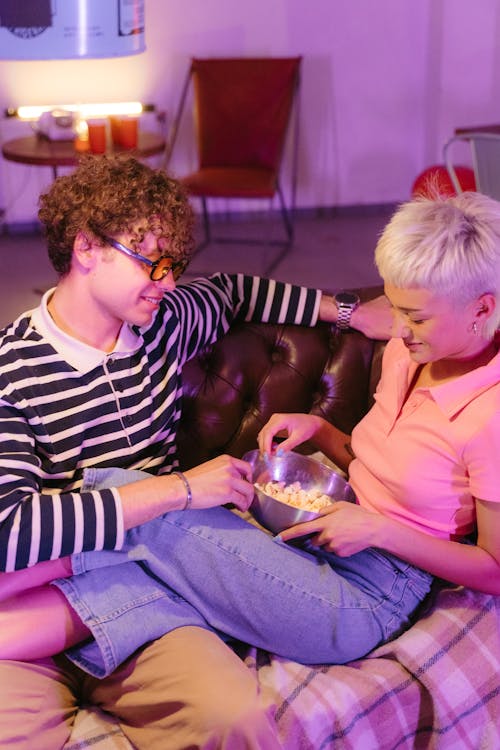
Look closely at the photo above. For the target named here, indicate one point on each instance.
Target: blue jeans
(212, 569)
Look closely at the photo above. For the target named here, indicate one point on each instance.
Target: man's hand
(373, 318)
(222, 480)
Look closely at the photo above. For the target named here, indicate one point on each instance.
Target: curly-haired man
(91, 379)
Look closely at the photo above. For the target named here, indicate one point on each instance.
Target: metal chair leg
(207, 239)
(287, 218)
(206, 222)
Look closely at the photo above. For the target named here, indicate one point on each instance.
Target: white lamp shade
(64, 29)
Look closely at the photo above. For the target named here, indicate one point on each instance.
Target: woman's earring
(474, 328)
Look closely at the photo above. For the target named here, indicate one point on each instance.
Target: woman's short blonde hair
(448, 245)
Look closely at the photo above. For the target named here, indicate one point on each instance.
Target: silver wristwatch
(346, 303)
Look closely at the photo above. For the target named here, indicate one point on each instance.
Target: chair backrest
(242, 109)
(485, 148)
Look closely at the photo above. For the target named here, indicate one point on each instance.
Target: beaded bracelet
(189, 494)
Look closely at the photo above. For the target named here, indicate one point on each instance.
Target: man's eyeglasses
(159, 268)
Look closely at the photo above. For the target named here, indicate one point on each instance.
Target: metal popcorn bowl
(288, 468)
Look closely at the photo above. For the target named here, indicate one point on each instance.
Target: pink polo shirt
(424, 461)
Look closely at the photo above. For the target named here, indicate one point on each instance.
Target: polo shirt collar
(453, 396)
(76, 353)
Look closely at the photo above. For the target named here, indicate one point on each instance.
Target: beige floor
(331, 251)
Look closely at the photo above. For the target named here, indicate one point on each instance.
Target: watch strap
(344, 313)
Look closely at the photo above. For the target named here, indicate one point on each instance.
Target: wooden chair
(243, 110)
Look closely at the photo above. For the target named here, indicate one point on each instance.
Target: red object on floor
(437, 177)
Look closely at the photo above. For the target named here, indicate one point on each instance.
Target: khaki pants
(185, 690)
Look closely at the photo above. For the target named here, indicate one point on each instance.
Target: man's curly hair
(109, 194)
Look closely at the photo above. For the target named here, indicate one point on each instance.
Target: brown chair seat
(239, 182)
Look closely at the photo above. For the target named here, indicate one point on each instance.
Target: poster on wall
(64, 29)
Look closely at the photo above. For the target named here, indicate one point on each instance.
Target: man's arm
(205, 308)
(234, 297)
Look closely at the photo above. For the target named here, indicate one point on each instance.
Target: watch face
(346, 298)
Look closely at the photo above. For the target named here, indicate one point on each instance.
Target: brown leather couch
(234, 386)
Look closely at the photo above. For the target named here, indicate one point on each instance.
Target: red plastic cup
(128, 130)
(97, 136)
(115, 125)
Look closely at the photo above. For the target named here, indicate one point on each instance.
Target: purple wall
(384, 81)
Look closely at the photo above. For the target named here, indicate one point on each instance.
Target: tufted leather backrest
(232, 387)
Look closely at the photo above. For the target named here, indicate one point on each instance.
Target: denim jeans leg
(274, 596)
(279, 598)
(124, 607)
(121, 603)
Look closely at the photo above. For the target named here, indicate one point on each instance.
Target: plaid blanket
(437, 686)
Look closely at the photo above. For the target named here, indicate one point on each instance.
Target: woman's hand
(345, 528)
(297, 427)
(224, 479)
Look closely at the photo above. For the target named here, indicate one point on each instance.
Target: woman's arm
(475, 566)
(347, 529)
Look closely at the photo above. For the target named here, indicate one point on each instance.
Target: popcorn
(292, 494)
